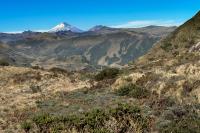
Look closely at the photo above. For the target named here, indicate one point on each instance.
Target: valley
(78, 51)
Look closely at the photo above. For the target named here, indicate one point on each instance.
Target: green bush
(4, 63)
(37, 67)
(35, 89)
(166, 46)
(119, 119)
(183, 119)
(132, 90)
(43, 119)
(26, 126)
(108, 73)
(183, 125)
(59, 70)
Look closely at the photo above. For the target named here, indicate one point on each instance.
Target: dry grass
(22, 87)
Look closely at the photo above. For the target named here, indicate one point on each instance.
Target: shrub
(183, 125)
(35, 89)
(166, 46)
(26, 126)
(37, 68)
(108, 73)
(23, 77)
(187, 87)
(59, 70)
(4, 63)
(129, 119)
(123, 118)
(161, 103)
(132, 91)
(184, 119)
(43, 121)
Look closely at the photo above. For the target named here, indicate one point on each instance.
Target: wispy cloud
(41, 30)
(143, 23)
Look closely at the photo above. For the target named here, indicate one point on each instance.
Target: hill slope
(171, 68)
(182, 44)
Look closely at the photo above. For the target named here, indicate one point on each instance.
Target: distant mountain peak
(98, 27)
(153, 26)
(27, 31)
(65, 27)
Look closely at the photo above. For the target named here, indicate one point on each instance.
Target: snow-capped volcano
(65, 27)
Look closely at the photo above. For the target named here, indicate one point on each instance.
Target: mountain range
(68, 47)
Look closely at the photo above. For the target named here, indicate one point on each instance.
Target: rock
(195, 48)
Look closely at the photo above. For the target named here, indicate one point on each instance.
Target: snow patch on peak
(65, 27)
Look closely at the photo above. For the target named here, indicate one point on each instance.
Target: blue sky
(20, 15)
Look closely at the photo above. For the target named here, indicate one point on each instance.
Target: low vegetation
(35, 89)
(26, 126)
(183, 119)
(132, 90)
(166, 46)
(4, 63)
(124, 118)
(57, 70)
(183, 125)
(107, 73)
